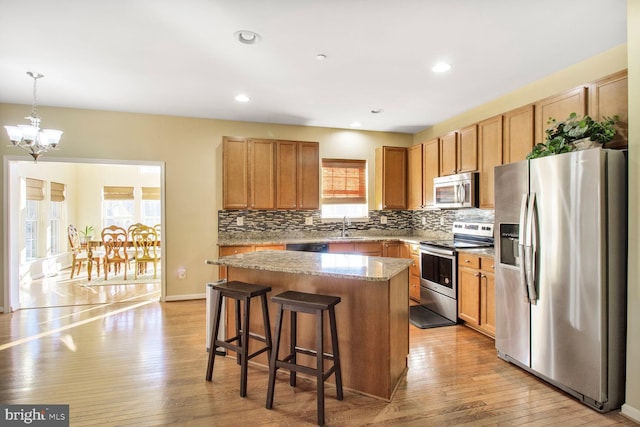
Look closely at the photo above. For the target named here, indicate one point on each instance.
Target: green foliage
(88, 230)
(561, 135)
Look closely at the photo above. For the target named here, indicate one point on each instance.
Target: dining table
(95, 244)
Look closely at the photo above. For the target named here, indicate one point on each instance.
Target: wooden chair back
(115, 242)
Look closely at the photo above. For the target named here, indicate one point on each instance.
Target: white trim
(630, 412)
(185, 297)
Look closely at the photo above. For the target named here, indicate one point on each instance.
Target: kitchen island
(372, 317)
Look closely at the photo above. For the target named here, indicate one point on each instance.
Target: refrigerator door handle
(530, 249)
(521, 244)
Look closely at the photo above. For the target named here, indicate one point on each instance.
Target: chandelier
(31, 138)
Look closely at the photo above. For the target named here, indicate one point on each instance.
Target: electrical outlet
(383, 219)
(240, 221)
(182, 273)
(441, 220)
(308, 220)
(424, 220)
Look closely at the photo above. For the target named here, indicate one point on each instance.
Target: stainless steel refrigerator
(561, 272)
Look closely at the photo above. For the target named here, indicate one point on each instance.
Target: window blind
(117, 193)
(344, 181)
(57, 192)
(150, 193)
(34, 189)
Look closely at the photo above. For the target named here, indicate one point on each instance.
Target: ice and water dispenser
(509, 254)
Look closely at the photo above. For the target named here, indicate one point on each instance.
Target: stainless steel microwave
(456, 191)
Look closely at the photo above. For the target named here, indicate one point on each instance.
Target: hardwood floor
(143, 362)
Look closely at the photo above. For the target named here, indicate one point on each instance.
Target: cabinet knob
(467, 260)
(477, 275)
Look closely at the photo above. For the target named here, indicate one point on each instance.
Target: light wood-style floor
(143, 362)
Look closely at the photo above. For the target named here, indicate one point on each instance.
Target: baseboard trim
(630, 412)
(184, 297)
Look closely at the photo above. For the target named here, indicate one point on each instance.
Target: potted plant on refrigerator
(574, 133)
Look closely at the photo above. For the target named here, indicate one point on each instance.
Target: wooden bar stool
(244, 292)
(300, 302)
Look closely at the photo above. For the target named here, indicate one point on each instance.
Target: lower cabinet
(233, 250)
(414, 273)
(476, 292)
(360, 248)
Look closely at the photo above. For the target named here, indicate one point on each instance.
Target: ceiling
(180, 58)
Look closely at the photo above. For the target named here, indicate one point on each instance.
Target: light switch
(383, 219)
(240, 221)
(424, 220)
(308, 220)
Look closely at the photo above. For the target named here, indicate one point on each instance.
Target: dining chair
(79, 253)
(115, 242)
(145, 244)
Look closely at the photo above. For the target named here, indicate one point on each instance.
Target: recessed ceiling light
(376, 110)
(441, 67)
(247, 37)
(355, 124)
(242, 98)
(321, 57)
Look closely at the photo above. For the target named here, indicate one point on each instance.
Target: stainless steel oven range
(439, 266)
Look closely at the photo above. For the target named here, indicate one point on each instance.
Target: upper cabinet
(459, 151)
(430, 169)
(297, 175)
(268, 174)
(235, 173)
(608, 97)
(415, 184)
(391, 178)
(518, 134)
(559, 107)
(449, 153)
(490, 147)
(467, 160)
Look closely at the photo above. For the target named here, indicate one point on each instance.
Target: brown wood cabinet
(490, 148)
(234, 250)
(414, 272)
(235, 173)
(476, 292)
(608, 97)
(360, 248)
(308, 175)
(414, 175)
(392, 249)
(559, 107)
(518, 134)
(261, 174)
(430, 169)
(391, 178)
(449, 153)
(287, 175)
(467, 160)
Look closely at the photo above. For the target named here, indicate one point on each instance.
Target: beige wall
(632, 405)
(591, 69)
(192, 154)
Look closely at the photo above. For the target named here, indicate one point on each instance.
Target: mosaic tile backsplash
(267, 224)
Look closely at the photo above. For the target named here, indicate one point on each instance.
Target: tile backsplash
(250, 224)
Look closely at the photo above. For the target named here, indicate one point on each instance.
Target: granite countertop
(359, 267)
(283, 240)
(488, 252)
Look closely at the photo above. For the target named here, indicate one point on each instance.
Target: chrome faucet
(345, 222)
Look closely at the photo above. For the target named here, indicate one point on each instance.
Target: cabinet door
(517, 134)
(261, 170)
(609, 97)
(341, 247)
(230, 250)
(391, 179)
(490, 138)
(467, 160)
(286, 174)
(448, 153)
(392, 249)
(258, 248)
(488, 298)
(559, 107)
(235, 174)
(368, 248)
(309, 173)
(415, 178)
(469, 295)
(430, 169)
